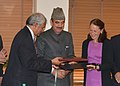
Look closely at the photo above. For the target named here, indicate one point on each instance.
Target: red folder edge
(76, 59)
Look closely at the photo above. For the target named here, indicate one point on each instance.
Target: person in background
(23, 63)
(115, 41)
(3, 57)
(96, 48)
(53, 43)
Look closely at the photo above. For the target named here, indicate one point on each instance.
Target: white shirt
(33, 37)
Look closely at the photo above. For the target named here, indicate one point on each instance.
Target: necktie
(35, 44)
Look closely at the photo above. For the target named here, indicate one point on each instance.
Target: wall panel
(81, 12)
(13, 14)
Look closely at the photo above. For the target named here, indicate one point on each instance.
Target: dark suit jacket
(51, 45)
(1, 46)
(107, 62)
(1, 43)
(115, 40)
(23, 63)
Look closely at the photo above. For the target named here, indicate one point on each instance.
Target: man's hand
(60, 73)
(72, 63)
(91, 67)
(3, 56)
(117, 77)
(56, 61)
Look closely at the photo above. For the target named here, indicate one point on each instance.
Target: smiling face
(94, 32)
(58, 25)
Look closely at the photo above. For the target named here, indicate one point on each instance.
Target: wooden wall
(83, 11)
(13, 14)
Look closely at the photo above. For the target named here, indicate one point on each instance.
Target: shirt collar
(31, 32)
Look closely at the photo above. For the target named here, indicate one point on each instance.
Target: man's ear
(51, 22)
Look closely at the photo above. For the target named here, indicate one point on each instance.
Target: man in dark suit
(23, 63)
(52, 43)
(115, 40)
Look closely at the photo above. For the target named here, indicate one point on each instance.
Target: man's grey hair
(38, 18)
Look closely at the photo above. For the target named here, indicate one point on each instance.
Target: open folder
(78, 65)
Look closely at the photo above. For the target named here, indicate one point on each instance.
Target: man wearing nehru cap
(53, 43)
